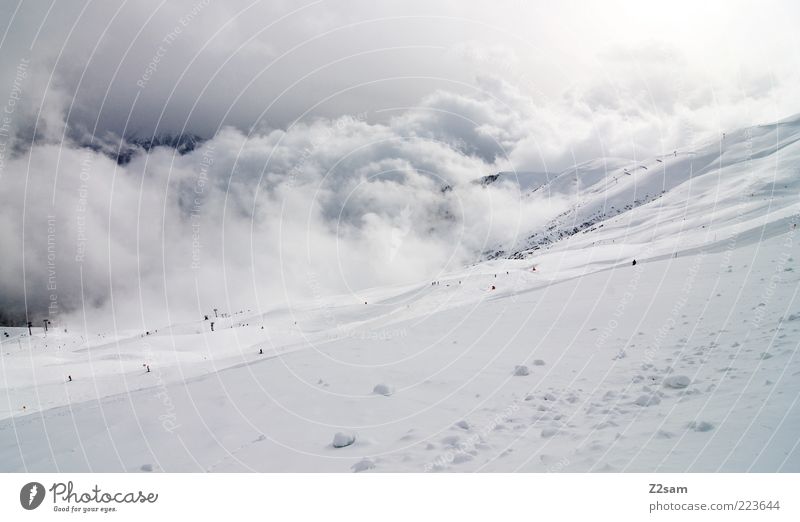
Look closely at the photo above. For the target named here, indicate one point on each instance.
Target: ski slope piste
(556, 353)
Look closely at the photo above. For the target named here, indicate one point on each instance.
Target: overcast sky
(331, 127)
(270, 63)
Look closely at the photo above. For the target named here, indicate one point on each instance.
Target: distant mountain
(182, 143)
(525, 180)
(721, 178)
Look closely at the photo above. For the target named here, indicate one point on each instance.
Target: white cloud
(333, 131)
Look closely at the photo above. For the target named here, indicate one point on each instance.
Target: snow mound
(383, 389)
(343, 439)
(521, 371)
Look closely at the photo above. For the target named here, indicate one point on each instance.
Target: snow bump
(343, 439)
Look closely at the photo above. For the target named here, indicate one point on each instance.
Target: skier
(212, 326)
(148, 368)
(634, 263)
(493, 287)
(69, 378)
(260, 351)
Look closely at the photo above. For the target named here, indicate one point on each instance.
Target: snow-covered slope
(524, 181)
(740, 173)
(686, 361)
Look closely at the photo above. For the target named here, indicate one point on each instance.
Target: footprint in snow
(460, 458)
(451, 441)
(464, 425)
(677, 382)
(553, 462)
(409, 435)
(647, 400)
(607, 468)
(606, 424)
(701, 426)
(363, 465)
(549, 432)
